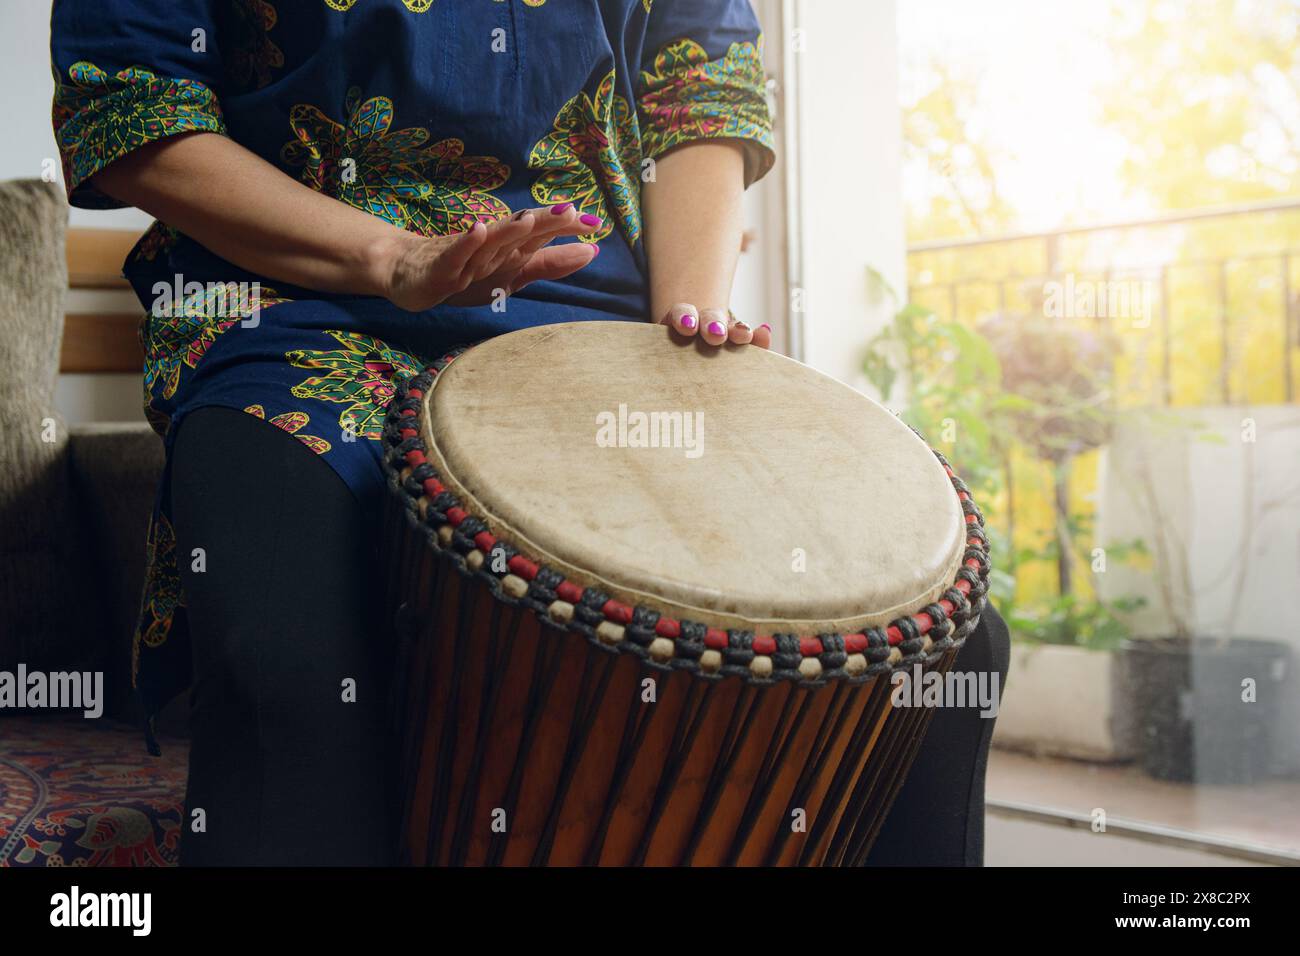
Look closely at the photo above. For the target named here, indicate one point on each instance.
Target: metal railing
(953, 295)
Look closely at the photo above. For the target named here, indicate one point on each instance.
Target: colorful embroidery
(415, 6)
(592, 159)
(253, 53)
(162, 591)
(434, 190)
(159, 238)
(99, 118)
(690, 97)
(292, 422)
(363, 375)
(179, 332)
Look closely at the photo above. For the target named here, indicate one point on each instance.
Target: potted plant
(1205, 706)
(976, 393)
(1057, 405)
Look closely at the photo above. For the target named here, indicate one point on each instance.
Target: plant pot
(1064, 702)
(1193, 721)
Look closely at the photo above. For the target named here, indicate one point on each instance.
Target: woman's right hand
(478, 266)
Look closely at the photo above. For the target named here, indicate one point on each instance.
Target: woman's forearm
(693, 225)
(248, 212)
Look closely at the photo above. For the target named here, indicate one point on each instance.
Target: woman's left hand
(716, 326)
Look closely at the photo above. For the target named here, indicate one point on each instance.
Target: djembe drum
(651, 598)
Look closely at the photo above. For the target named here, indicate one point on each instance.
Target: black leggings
(287, 610)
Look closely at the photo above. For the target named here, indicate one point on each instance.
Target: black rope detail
(641, 629)
(788, 655)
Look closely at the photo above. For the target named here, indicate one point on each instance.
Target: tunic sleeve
(702, 78)
(127, 73)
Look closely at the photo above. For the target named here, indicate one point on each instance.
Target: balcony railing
(1212, 328)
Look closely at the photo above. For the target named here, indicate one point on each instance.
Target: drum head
(733, 487)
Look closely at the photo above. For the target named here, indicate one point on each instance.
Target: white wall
(848, 152)
(26, 92)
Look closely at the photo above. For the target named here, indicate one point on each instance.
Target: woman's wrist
(383, 257)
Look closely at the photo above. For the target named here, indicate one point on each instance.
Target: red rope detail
(715, 639)
(810, 646)
(456, 516)
(894, 635)
(764, 644)
(415, 457)
(568, 591)
(668, 627)
(485, 542)
(523, 567)
(433, 487)
(855, 643)
(619, 613)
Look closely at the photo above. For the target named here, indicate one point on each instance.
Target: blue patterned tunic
(431, 114)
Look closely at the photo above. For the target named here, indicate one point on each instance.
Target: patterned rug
(77, 792)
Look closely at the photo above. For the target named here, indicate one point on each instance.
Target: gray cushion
(48, 593)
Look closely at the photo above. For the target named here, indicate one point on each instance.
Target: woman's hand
(474, 267)
(716, 326)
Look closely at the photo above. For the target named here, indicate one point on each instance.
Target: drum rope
(732, 742)
(585, 709)
(689, 721)
(635, 726)
(448, 744)
(834, 717)
(546, 664)
(772, 759)
(497, 655)
(415, 739)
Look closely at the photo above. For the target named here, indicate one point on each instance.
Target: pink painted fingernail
(556, 210)
(687, 320)
(717, 328)
(766, 326)
(587, 219)
(742, 326)
(595, 250)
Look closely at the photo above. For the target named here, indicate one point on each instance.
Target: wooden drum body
(650, 598)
